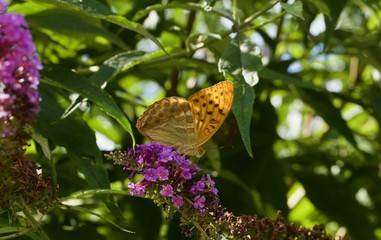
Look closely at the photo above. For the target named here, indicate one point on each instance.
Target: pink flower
(186, 174)
(136, 189)
(177, 201)
(162, 173)
(166, 191)
(199, 202)
(198, 187)
(151, 175)
(3, 6)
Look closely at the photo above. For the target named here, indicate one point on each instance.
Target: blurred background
(305, 139)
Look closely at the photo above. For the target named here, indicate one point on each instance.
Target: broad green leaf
(113, 66)
(189, 63)
(242, 58)
(98, 10)
(77, 138)
(121, 62)
(72, 134)
(133, 26)
(73, 25)
(244, 97)
(295, 9)
(70, 81)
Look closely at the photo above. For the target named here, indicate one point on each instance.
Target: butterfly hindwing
(168, 121)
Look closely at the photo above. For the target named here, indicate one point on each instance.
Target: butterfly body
(187, 124)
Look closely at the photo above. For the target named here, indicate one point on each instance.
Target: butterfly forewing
(210, 107)
(168, 121)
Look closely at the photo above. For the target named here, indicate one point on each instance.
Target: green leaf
(242, 61)
(244, 97)
(241, 58)
(42, 141)
(336, 7)
(70, 81)
(98, 10)
(77, 138)
(113, 66)
(74, 25)
(121, 62)
(133, 26)
(72, 134)
(321, 5)
(101, 216)
(295, 9)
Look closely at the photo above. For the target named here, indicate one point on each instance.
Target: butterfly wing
(169, 121)
(210, 107)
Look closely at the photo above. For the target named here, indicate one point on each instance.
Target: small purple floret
(177, 201)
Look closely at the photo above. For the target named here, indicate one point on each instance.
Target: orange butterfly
(187, 124)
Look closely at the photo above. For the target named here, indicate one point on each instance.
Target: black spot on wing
(214, 121)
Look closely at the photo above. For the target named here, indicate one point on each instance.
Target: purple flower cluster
(168, 175)
(3, 6)
(19, 69)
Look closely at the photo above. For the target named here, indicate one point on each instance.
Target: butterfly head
(200, 152)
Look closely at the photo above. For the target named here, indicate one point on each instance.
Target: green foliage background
(311, 123)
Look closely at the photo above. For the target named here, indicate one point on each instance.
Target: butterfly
(187, 124)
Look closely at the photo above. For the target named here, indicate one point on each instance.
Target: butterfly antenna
(221, 147)
(231, 147)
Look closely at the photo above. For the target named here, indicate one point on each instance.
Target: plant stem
(259, 13)
(32, 221)
(203, 233)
